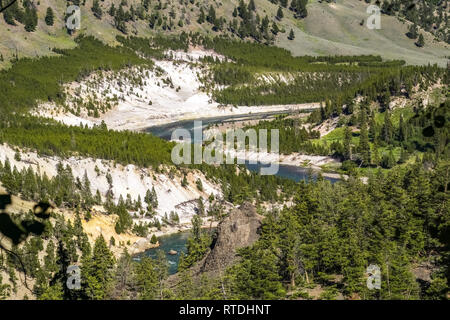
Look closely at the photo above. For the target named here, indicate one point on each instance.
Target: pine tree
(299, 7)
(49, 17)
(9, 14)
(161, 271)
(258, 277)
(112, 10)
(251, 6)
(154, 202)
(184, 182)
(373, 128)
(280, 14)
(303, 12)
(199, 184)
(291, 35)
(119, 20)
(201, 17)
(185, 289)
(289, 245)
(53, 292)
(196, 227)
(124, 283)
(421, 42)
(96, 270)
(148, 198)
(376, 155)
(218, 24)
(125, 221)
(364, 147)
(98, 198)
(275, 28)
(347, 143)
(387, 127)
(146, 279)
(401, 130)
(265, 24)
(385, 100)
(31, 19)
(403, 156)
(211, 18)
(112, 241)
(86, 191)
(388, 160)
(412, 31)
(96, 9)
(138, 204)
(242, 10)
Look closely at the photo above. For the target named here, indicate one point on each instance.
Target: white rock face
(126, 179)
(169, 92)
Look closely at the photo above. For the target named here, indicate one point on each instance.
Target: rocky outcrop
(240, 229)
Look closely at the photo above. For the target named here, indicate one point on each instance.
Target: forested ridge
(51, 138)
(30, 81)
(306, 79)
(395, 221)
(245, 20)
(398, 221)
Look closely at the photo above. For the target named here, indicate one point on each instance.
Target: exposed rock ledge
(238, 230)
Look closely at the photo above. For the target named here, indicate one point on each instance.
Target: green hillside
(334, 29)
(328, 28)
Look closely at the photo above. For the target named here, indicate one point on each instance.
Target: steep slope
(130, 179)
(334, 29)
(240, 229)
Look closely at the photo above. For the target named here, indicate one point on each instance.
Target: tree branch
(10, 4)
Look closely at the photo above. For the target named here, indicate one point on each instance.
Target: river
(290, 172)
(178, 241)
(285, 171)
(165, 130)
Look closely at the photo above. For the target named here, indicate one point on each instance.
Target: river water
(165, 130)
(289, 172)
(285, 171)
(176, 241)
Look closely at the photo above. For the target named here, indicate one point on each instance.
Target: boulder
(240, 229)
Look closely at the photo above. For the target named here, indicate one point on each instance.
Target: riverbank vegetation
(368, 138)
